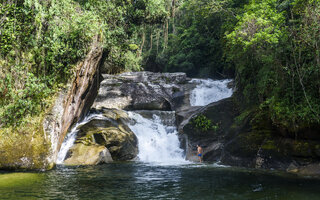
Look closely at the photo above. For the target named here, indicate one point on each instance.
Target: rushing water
(158, 141)
(135, 180)
(208, 91)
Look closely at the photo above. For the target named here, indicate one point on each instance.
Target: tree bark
(151, 38)
(143, 38)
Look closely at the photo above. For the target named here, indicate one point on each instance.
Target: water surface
(134, 180)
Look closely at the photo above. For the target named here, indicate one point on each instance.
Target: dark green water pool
(132, 180)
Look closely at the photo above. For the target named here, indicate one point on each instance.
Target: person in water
(200, 152)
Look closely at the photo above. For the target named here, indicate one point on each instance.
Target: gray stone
(144, 91)
(223, 113)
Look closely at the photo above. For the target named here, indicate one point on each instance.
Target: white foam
(209, 91)
(158, 143)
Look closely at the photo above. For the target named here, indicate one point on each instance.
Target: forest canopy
(42, 41)
(270, 48)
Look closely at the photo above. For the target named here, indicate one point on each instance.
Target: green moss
(115, 85)
(16, 180)
(25, 150)
(269, 145)
(242, 117)
(250, 142)
(175, 89)
(25, 146)
(84, 155)
(88, 138)
(301, 148)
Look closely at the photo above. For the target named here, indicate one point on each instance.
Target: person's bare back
(200, 152)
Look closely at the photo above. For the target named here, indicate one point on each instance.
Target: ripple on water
(136, 180)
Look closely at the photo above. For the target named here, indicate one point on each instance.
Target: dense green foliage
(270, 47)
(274, 46)
(42, 41)
(203, 124)
(196, 39)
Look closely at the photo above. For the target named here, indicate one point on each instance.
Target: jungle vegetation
(270, 47)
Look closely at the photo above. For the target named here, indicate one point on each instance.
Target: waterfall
(72, 135)
(158, 141)
(156, 131)
(209, 91)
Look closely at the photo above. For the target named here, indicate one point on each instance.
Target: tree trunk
(173, 16)
(158, 37)
(142, 43)
(165, 35)
(151, 38)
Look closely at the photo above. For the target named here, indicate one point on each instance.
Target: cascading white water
(71, 137)
(209, 91)
(66, 145)
(157, 141)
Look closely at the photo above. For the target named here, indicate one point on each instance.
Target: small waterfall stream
(158, 140)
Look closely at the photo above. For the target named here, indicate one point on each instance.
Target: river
(136, 180)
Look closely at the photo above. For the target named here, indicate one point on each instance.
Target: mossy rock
(121, 143)
(115, 114)
(25, 148)
(302, 148)
(81, 154)
(247, 144)
(220, 114)
(112, 133)
(94, 124)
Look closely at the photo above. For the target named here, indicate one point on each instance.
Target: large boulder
(81, 154)
(110, 132)
(239, 139)
(143, 91)
(207, 126)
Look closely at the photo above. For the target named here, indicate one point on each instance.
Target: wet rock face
(221, 114)
(142, 91)
(83, 91)
(74, 102)
(110, 132)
